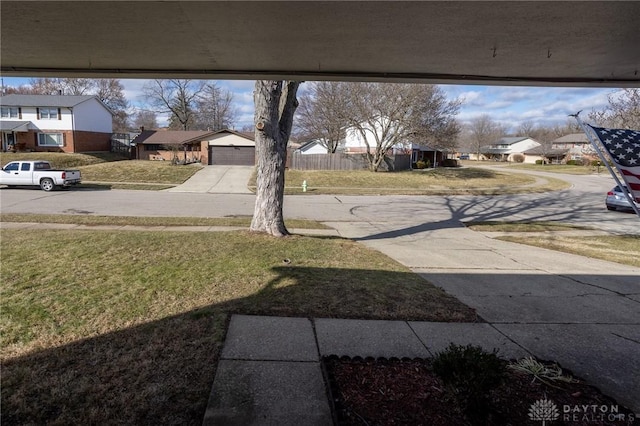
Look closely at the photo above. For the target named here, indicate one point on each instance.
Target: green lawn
(122, 327)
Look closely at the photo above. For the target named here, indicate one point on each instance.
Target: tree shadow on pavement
(556, 207)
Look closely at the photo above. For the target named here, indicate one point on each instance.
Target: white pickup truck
(38, 173)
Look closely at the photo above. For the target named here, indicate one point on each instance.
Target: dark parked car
(616, 200)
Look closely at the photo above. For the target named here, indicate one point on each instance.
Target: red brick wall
(166, 155)
(82, 142)
(204, 152)
(91, 141)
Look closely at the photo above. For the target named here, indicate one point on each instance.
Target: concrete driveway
(218, 180)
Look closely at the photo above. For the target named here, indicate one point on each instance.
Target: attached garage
(231, 148)
(232, 155)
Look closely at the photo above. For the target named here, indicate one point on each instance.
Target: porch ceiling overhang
(497, 42)
(14, 126)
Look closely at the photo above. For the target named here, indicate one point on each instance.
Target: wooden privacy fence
(341, 161)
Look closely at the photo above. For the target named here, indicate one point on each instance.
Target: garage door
(232, 155)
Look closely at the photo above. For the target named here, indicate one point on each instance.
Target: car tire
(47, 185)
(611, 208)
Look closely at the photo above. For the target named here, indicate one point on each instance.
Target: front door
(8, 141)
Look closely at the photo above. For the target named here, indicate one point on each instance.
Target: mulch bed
(407, 392)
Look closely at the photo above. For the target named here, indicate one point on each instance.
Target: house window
(152, 147)
(50, 139)
(10, 112)
(48, 113)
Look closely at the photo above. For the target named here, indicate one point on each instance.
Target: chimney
(141, 129)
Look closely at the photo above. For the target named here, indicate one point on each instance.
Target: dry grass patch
(442, 181)
(61, 160)
(524, 226)
(116, 327)
(624, 249)
(92, 220)
(139, 171)
(558, 168)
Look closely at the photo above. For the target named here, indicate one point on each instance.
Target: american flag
(623, 146)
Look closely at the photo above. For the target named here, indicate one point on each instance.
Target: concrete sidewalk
(218, 180)
(269, 372)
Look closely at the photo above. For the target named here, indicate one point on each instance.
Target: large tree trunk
(275, 103)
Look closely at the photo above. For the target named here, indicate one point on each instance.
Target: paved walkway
(269, 372)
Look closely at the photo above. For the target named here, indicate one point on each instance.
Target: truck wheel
(47, 185)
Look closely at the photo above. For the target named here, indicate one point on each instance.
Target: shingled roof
(171, 137)
(66, 101)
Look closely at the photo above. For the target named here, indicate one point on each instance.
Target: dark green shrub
(470, 373)
(518, 158)
(539, 161)
(450, 162)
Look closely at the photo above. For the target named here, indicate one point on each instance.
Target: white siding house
(507, 147)
(55, 123)
(312, 147)
(354, 141)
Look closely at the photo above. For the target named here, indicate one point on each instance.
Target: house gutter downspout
(73, 129)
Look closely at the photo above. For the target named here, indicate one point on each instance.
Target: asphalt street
(582, 204)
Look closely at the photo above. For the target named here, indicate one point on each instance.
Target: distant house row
(574, 147)
(84, 124)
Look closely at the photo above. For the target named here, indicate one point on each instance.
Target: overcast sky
(509, 105)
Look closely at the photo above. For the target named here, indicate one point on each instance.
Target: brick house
(222, 147)
(55, 123)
